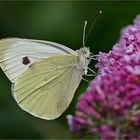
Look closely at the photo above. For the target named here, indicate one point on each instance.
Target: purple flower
(110, 108)
(124, 53)
(108, 104)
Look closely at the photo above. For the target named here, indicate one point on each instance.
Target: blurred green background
(61, 22)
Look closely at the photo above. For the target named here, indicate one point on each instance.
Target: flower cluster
(125, 53)
(110, 108)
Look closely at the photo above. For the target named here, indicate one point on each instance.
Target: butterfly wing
(46, 89)
(16, 55)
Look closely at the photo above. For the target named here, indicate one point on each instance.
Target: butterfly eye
(88, 58)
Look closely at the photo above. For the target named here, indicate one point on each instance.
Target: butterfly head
(84, 58)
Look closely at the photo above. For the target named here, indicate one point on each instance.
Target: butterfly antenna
(84, 33)
(93, 23)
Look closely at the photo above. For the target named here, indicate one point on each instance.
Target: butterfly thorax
(84, 58)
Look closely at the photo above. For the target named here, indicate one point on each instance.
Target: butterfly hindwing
(46, 88)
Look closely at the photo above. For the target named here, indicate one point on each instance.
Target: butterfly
(44, 74)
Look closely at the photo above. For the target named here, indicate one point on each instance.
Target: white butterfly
(44, 74)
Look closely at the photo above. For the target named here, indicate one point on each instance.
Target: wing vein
(38, 74)
(40, 87)
(59, 81)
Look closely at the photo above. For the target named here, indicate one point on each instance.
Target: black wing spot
(25, 60)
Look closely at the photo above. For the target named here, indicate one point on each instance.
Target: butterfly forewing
(46, 88)
(16, 55)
